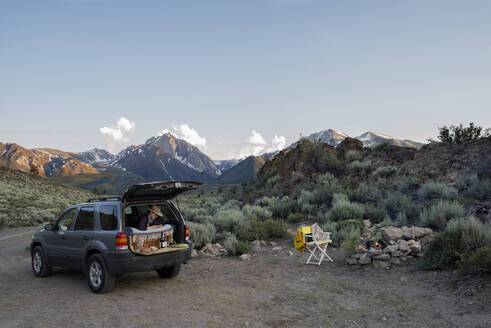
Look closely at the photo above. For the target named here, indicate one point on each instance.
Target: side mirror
(49, 227)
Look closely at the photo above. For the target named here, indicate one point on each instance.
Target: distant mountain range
(369, 139)
(163, 157)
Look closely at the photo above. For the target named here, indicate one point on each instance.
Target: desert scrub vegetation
(352, 155)
(437, 215)
(408, 183)
(27, 200)
(360, 168)
(384, 171)
(464, 243)
(396, 202)
(342, 209)
(436, 190)
(473, 187)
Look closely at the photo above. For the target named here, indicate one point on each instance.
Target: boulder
(391, 249)
(391, 233)
(194, 253)
(365, 259)
(395, 261)
(367, 224)
(349, 144)
(277, 248)
(419, 232)
(360, 249)
(373, 251)
(351, 261)
(396, 254)
(213, 250)
(404, 247)
(256, 243)
(245, 257)
(382, 257)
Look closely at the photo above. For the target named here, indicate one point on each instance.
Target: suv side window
(85, 219)
(108, 215)
(66, 219)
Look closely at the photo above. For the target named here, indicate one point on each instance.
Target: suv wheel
(170, 272)
(40, 266)
(99, 278)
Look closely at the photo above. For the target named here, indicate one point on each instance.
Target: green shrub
(387, 222)
(351, 240)
(227, 220)
(402, 219)
(478, 260)
(347, 232)
(366, 193)
(201, 234)
(480, 189)
(408, 183)
(436, 190)
(352, 155)
(262, 230)
(3, 221)
(384, 171)
(230, 243)
(358, 224)
(375, 214)
(294, 217)
(242, 247)
(396, 203)
(260, 212)
(328, 180)
(361, 168)
(464, 182)
(438, 214)
(461, 238)
(343, 209)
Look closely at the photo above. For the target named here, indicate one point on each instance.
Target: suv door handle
(85, 238)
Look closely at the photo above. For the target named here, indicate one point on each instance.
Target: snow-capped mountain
(95, 155)
(225, 164)
(50, 162)
(369, 139)
(166, 157)
(330, 137)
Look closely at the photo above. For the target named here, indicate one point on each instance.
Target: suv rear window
(109, 217)
(85, 219)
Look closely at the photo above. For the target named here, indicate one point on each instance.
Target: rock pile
(212, 250)
(384, 247)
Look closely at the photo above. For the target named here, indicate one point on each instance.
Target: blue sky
(227, 68)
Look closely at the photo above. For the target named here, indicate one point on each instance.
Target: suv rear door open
(157, 191)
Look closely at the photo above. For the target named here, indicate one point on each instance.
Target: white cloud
(278, 143)
(187, 133)
(119, 135)
(256, 138)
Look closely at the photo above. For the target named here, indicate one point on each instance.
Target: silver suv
(101, 238)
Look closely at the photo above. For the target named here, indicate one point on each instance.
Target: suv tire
(98, 277)
(169, 272)
(39, 262)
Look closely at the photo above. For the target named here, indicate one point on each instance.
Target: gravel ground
(273, 289)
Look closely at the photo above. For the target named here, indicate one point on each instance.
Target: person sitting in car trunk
(151, 220)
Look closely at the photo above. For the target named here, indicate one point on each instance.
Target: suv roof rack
(103, 199)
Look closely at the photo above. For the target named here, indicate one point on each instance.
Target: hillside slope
(27, 199)
(244, 171)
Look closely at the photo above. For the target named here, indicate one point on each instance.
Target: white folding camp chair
(316, 243)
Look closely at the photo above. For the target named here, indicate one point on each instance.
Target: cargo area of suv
(105, 237)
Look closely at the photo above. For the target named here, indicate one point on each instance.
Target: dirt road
(273, 289)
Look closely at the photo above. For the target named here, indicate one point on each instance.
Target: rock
(245, 257)
(395, 261)
(272, 243)
(263, 243)
(367, 224)
(373, 251)
(277, 248)
(357, 255)
(404, 247)
(391, 233)
(349, 144)
(256, 243)
(351, 261)
(361, 249)
(213, 250)
(365, 259)
(391, 249)
(396, 254)
(381, 264)
(255, 248)
(290, 253)
(382, 257)
(194, 253)
(419, 232)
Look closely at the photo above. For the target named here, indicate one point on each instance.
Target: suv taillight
(121, 241)
(187, 232)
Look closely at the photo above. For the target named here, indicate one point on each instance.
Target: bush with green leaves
(463, 182)
(459, 134)
(440, 212)
(384, 171)
(387, 222)
(242, 247)
(230, 243)
(408, 183)
(436, 190)
(479, 189)
(479, 260)
(352, 155)
(366, 193)
(396, 203)
(462, 238)
(262, 230)
(260, 212)
(201, 234)
(374, 213)
(342, 209)
(402, 219)
(294, 217)
(228, 220)
(361, 168)
(351, 239)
